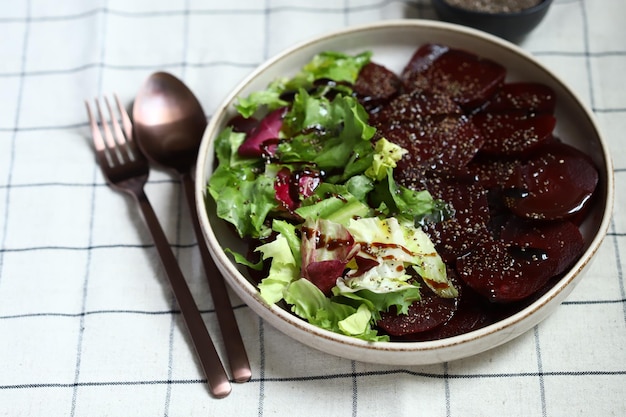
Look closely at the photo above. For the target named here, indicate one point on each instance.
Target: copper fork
(126, 170)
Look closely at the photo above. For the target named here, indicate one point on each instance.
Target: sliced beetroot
(557, 183)
(409, 107)
(457, 235)
(492, 172)
(513, 133)
(324, 274)
(559, 242)
(423, 315)
(267, 131)
(469, 79)
(375, 85)
(448, 140)
(502, 275)
(463, 321)
(426, 314)
(423, 59)
(532, 98)
(472, 313)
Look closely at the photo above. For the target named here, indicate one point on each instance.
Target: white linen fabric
(88, 326)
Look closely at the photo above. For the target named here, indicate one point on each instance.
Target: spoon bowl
(169, 122)
(169, 125)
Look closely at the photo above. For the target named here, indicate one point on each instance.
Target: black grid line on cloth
(542, 390)
(348, 376)
(620, 271)
(355, 389)
(14, 132)
(81, 329)
(175, 311)
(537, 338)
(261, 10)
(179, 219)
(95, 247)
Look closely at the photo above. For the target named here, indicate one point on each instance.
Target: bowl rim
(561, 288)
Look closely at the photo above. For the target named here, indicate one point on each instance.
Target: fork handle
(211, 364)
(237, 356)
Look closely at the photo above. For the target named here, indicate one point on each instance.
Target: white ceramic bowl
(393, 42)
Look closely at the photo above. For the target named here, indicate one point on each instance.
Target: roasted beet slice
(513, 133)
(500, 274)
(376, 85)
(431, 311)
(324, 274)
(559, 242)
(558, 183)
(444, 140)
(492, 172)
(423, 315)
(469, 79)
(532, 98)
(473, 312)
(266, 131)
(457, 235)
(409, 107)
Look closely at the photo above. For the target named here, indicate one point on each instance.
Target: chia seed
(494, 6)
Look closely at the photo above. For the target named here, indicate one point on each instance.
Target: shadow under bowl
(510, 26)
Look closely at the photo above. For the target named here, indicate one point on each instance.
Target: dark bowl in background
(510, 26)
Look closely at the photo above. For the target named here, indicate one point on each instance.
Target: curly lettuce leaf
(283, 270)
(336, 66)
(308, 302)
(332, 134)
(396, 200)
(242, 196)
(332, 65)
(269, 99)
(338, 203)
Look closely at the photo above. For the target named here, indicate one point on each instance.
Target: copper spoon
(169, 123)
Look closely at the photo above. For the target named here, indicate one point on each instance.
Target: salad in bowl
(407, 210)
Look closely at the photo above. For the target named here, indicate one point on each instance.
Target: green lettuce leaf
(397, 200)
(336, 203)
(283, 269)
(242, 196)
(310, 303)
(378, 302)
(386, 155)
(268, 99)
(336, 66)
(332, 134)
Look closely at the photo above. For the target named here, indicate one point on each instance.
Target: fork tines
(114, 143)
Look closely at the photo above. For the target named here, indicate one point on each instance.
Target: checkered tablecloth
(88, 326)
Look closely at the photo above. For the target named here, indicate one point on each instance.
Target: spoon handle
(235, 349)
(217, 379)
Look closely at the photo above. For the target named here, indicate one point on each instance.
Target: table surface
(88, 326)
